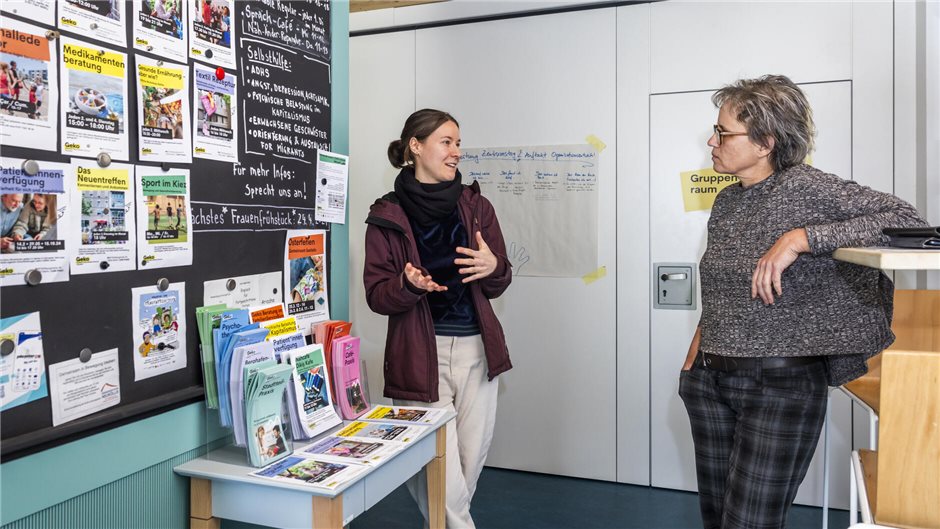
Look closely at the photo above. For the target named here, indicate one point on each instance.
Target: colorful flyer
(103, 240)
(35, 220)
(101, 20)
(79, 389)
(212, 32)
(163, 218)
(94, 80)
(22, 372)
(163, 116)
(215, 127)
(42, 11)
(332, 186)
(305, 283)
(158, 320)
(29, 104)
(160, 28)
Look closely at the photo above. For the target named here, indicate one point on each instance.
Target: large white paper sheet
(29, 111)
(81, 388)
(546, 201)
(104, 239)
(158, 320)
(160, 27)
(164, 237)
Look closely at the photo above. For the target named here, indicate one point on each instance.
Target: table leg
(327, 512)
(200, 505)
(436, 471)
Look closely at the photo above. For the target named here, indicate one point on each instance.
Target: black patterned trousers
(755, 432)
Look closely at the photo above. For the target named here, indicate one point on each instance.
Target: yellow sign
(280, 327)
(95, 179)
(93, 60)
(699, 188)
(159, 77)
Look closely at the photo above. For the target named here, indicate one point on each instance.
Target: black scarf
(426, 203)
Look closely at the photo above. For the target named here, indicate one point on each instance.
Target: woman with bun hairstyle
(435, 257)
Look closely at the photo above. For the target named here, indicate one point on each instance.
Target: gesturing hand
(481, 263)
(770, 267)
(421, 281)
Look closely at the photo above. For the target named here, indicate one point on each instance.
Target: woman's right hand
(693, 349)
(421, 281)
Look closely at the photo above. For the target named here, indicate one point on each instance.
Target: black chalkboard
(239, 214)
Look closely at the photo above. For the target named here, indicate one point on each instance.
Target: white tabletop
(890, 258)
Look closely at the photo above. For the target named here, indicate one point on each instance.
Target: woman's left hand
(481, 263)
(770, 267)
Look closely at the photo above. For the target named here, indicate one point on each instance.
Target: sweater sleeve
(858, 215)
(496, 283)
(386, 291)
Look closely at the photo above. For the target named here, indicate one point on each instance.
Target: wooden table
(222, 487)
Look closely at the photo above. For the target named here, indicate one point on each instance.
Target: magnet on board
(104, 265)
(30, 167)
(230, 285)
(163, 284)
(6, 347)
(165, 166)
(51, 34)
(84, 355)
(33, 277)
(208, 54)
(104, 159)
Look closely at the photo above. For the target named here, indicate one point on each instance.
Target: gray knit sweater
(828, 307)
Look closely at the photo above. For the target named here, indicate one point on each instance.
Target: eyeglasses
(720, 133)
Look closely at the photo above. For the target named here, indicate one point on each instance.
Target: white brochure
(212, 31)
(163, 126)
(29, 112)
(163, 232)
(246, 291)
(94, 86)
(332, 186)
(305, 282)
(81, 388)
(35, 220)
(104, 238)
(42, 11)
(160, 27)
(215, 107)
(96, 19)
(158, 322)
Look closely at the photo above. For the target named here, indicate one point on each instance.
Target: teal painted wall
(124, 478)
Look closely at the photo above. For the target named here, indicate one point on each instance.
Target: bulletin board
(239, 211)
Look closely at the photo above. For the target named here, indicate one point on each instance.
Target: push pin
(163, 284)
(104, 265)
(6, 347)
(33, 277)
(30, 167)
(52, 34)
(84, 355)
(230, 285)
(219, 72)
(104, 159)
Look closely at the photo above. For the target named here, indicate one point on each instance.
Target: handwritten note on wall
(546, 201)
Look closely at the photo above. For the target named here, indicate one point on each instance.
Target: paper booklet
(400, 433)
(311, 471)
(245, 359)
(207, 319)
(247, 335)
(404, 414)
(346, 449)
(350, 393)
(310, 408)
(285, 343)
(324, 333)
(264, 396)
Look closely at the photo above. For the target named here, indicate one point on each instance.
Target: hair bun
(396, 154)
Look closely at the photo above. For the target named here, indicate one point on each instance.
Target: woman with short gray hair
(781, 319)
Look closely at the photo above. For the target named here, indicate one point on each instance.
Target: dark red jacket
(410, 347)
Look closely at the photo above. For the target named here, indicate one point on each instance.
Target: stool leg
(853, 493)
(200, 505)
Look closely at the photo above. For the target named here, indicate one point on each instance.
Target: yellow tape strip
(595, 275)
(596, 142)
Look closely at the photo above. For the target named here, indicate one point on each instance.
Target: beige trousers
(465, 389)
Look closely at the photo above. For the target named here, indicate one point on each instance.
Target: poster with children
(35, 219)
(305, 283)
(29, 86)
(212, 32)
(163, 234)
(215, 127)
(158, 320)
(163, 128)
(23, 371)
(94, 79)
(101, 20)
(160, 27)
(104, 238)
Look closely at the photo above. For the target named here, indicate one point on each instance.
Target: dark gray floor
(508, 499)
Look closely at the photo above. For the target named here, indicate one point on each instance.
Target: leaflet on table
(316, 472)
(401, 433)
(245, 359)
(212, 32)
(81, 388)
(248, 335)
(310, 407)
(105, 239)
(247, 291)
(42, 11)
(96, 19)
(22, 372)
(332, 186)
(160, 28)
(346, 449)
(35, 220)
(29, 110)
(158, 319)
(163, 218)
(305, 282)
(94, 79)
(215, 105)
(404, 414)
(264, 397)
(207, 319)
(163, 127)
